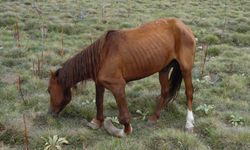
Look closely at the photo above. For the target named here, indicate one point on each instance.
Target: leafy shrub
(54, 143)
(113, 119)
(206, 109)
(240, 39)
(143, 114)
(200, 33)
(236, 120)
(210, 39)
(242, 28)
(213, 51)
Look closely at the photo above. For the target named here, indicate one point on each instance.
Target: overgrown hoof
(189, 130)
(95, 124)
(114, 131)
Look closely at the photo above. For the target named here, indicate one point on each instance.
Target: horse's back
(142, 51)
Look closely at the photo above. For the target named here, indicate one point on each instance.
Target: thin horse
(166, 46)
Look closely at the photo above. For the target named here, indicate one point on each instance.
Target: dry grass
(223, 25)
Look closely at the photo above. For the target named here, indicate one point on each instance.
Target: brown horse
(166, 46)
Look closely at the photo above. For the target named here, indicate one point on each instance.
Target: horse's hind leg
(164, 81)
(187, 76)
(186, 64)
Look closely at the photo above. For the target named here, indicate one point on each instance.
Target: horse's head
(59, 96)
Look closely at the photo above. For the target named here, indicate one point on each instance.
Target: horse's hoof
(151, 120)
(150, 123)
(189, 130)
(95, 124)
(112, 130)
(128, 130)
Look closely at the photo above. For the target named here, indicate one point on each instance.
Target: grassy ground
(72, 25)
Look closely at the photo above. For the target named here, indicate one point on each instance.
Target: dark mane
(83, 66)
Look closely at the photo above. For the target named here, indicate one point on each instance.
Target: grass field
(37, 36)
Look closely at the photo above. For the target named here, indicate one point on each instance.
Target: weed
(213, 51)
(236, 120)
(206, 109)
(241, 39)
(143, 114)
(54, 143)
(210, 39)
(113, 119)
(223, 26)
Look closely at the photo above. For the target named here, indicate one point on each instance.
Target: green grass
(223, 25)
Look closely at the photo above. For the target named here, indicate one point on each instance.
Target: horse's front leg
(117, 87)
(124, 116)
(97, 122)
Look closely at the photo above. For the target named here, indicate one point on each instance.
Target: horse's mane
(83, 66)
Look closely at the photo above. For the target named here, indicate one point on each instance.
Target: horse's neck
(74, 70)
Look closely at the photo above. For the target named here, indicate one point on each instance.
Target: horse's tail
(175, 79)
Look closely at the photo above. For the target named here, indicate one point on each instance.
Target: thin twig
(16, 34)
(62, 49)
(19, 88)
(203, 58)
(26, 138)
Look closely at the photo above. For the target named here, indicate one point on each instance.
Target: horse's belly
(142, 67)
(147, 54)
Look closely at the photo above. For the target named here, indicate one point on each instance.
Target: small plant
(205, 108)
(87, 102)
(54, 143)
(143, 114)
(213, 51)
(210, 39)
(236, 120)
(114, 119)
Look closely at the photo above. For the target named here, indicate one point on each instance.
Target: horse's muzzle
(52, 113)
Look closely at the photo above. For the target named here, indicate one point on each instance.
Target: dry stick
(19, 88)
(225, 20)
(16, 34)
(33, 66)
(26, 138)
(41, 64)
(103, 11)
(44, 31)
(62, 43)
(203, 58)
(129, 7)
(38, 67)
